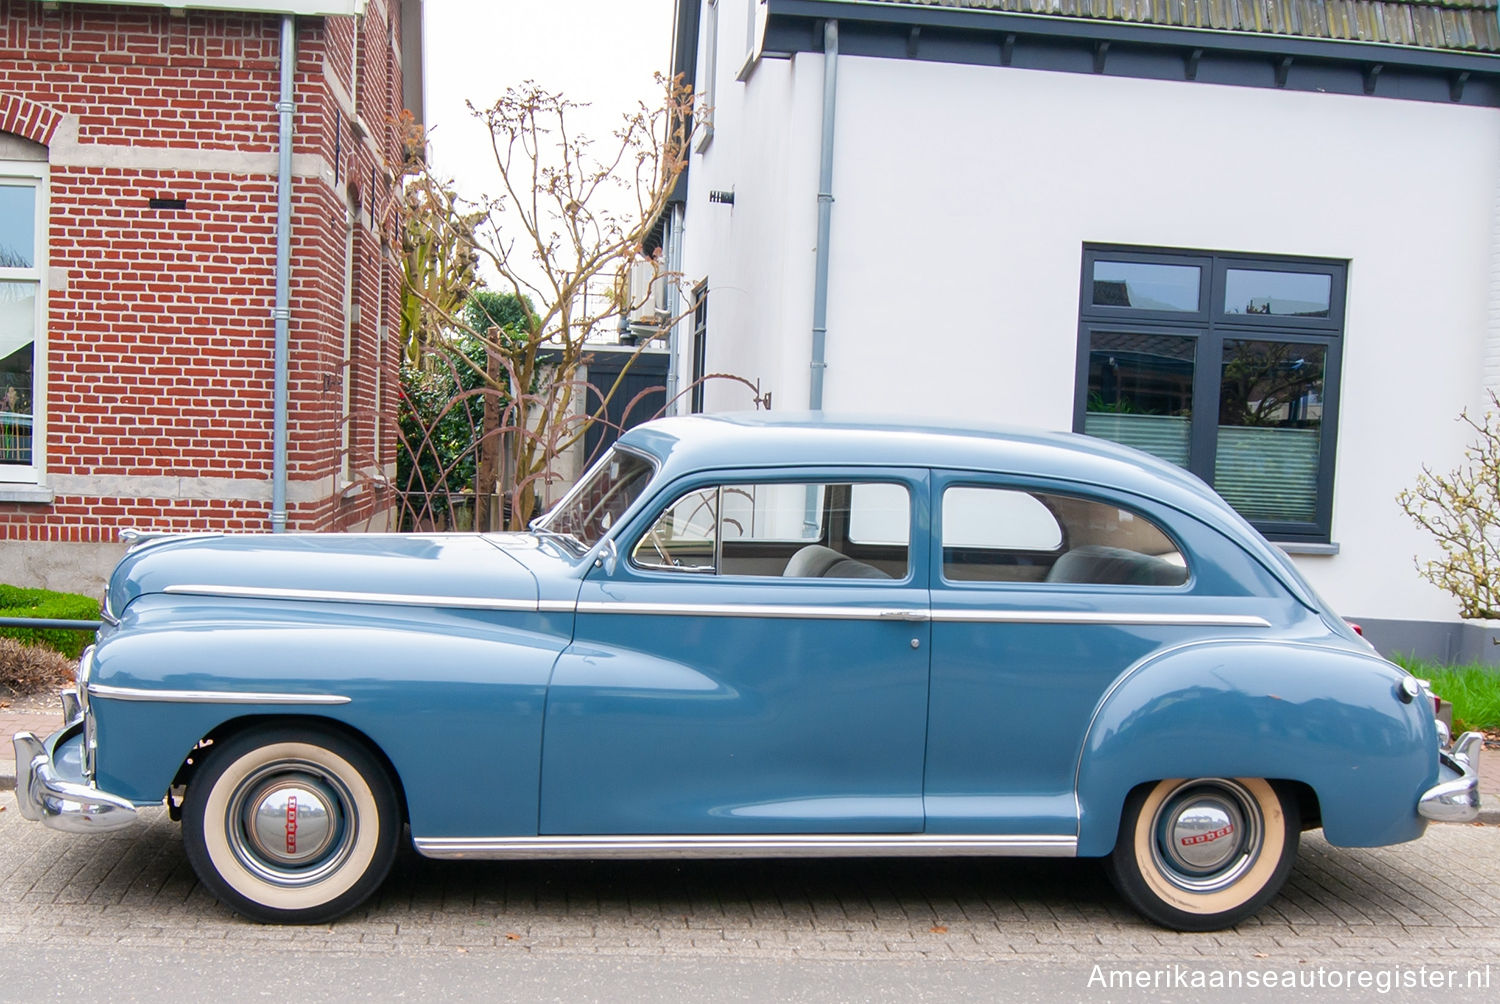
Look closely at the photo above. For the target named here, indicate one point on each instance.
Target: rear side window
(1011, 535)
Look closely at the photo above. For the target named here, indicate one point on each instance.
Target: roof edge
(1102, 30)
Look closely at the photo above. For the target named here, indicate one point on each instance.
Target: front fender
(1329, 718)
(453, 698)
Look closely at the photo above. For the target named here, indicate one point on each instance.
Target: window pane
(1141, 392)
(995, 518)
(17, 369)
(1145, 286)
(682, 538)
(1270, 423)
(773, 512)
(17, 226)
(796, 530)
(1002, 535)
(879, 514)
(1277, 294)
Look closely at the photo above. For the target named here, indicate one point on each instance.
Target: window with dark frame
(700, 338)
(1224, 364)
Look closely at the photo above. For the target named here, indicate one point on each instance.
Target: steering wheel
(660, 546)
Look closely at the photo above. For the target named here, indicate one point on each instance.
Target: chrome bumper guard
(53, 799)
(1455, 798)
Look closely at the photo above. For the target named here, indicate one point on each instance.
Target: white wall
(758, 253)
(964, 196)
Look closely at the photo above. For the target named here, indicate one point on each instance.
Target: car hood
(443, 566)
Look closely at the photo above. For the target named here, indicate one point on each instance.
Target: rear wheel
(289, 825)
(1202, 854)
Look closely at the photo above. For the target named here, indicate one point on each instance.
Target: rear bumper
(1455, 798)
(52, 789)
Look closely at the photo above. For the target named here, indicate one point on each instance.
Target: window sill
(1306, 547)
(25, 493)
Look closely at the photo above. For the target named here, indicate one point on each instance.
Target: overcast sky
(603, 52)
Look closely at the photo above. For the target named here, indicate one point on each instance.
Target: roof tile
(1462, 25)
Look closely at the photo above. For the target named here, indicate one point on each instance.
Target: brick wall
(159, 331)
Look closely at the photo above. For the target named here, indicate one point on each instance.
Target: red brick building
(140, 163)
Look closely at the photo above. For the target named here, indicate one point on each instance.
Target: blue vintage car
(755, 636)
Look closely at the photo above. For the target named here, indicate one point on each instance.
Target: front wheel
(291, 826)
(1202, 854)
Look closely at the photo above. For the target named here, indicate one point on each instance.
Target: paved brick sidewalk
(12, 721)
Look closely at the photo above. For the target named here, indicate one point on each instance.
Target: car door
(1044, 593)
(727, 676)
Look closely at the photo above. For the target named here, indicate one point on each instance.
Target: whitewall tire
(1202, 854)
(288, 825)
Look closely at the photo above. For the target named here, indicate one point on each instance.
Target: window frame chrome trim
(105, 692)
(743, 845)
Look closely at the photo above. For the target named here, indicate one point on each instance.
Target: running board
(789, 845)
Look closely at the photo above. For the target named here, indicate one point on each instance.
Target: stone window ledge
(25, 493)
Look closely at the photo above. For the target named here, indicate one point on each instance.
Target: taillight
(1357, 629)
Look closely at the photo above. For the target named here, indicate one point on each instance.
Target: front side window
(994, 534)
(1224, 364)
(795, 530)
(22, 314)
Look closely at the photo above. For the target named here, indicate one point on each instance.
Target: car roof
(784, 439)
(762, 439)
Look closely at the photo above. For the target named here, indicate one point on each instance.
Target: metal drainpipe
(675, 300)
(825, 214)
(282, 311)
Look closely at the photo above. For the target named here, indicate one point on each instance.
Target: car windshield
(585, 514)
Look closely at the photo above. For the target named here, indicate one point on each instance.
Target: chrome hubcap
(1206, 834)
(291, 823)
(291, 820)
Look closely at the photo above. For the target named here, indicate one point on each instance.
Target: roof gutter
(825, 213)
(282, 311)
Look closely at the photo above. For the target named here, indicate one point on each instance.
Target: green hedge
(18, 602)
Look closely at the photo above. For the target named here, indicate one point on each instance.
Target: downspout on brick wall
(282, 311)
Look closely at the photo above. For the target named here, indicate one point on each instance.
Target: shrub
(1461, 509)
(27, 668)
(42, 603)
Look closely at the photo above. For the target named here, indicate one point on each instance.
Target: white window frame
(754, 13)
(709, 80)
(346, 363)
(33, 172)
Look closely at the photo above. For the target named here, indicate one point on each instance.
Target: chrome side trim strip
(1096, 617)
(210, 696)
(797, 845)
(918, 614)
(770, 610)
(341, 596)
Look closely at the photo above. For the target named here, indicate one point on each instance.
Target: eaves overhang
(1041, 41)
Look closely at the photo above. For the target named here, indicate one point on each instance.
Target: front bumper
(52, 788)
(1455, 798)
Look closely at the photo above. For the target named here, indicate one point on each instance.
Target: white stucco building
(1261, 241)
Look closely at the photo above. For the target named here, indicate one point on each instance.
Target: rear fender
(1333, 720)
